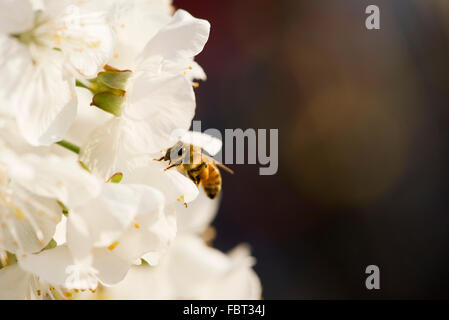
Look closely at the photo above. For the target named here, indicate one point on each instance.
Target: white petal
(109, 147)
(87, 39)
(192, 264)
(171, 183)
(198, 215)
(58, 178)
(16, 16)
(184, 37)
(154, 229)
(88, 119)
(188, 67)
(165, 103)
(152, 258)
(80, 240)
(111, 268)
(28, 222)
(141, 283)
(135, 23)
(53, 8)
(58, 267)
(197, 72)
(14, 283)
(61, 232)
(49, 265)
(11, 138)
(184, 186)
(46, 105)
(208, 143)
(109, 215)
(240, 284)
(16, 69)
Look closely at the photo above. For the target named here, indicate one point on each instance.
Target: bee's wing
(206, 142)
(208, 159)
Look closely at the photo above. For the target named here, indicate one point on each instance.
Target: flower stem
(70, 146)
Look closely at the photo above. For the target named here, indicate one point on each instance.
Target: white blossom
(42, 47)
(92, 93)
(191, 270)
(159, 98)
(30, 188)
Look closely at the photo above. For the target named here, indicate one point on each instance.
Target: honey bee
(193, 163)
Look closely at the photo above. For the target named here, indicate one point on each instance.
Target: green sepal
(84, 166)
(144, 263)
(114, 80)
(52, 244)
(116, 178)
(109, 89)
(109, 102)
(65, 210)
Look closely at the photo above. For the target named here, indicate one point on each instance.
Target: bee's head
(177, 151)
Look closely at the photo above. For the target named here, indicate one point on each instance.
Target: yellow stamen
(18, 213)
(113, 245)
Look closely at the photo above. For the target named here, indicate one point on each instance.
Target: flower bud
(109, 89)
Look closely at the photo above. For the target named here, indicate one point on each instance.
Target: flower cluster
(91, 93)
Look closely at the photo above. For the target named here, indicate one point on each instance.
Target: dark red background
(363, 127)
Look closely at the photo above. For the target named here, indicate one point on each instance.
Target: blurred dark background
(363, 131)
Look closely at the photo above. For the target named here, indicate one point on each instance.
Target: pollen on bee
(38, 292)
(113, 245)
(190, 68)
(68, 294)
(136, 225)
(196, 84)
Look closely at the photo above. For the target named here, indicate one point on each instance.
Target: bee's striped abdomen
(212, 186)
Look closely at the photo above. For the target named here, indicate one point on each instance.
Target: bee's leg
(160, 159)
(195, 179)
(173, 165)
